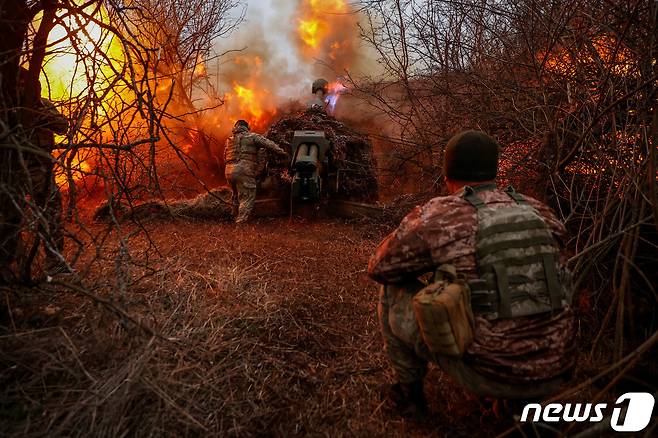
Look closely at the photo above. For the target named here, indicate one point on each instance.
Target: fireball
(73, 50)
(318, 23)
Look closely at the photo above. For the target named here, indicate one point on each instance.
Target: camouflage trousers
(243, 185)
(48, 200)
(38, 192)
(410, 356)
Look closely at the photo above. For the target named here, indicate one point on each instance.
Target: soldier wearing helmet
(241, 158)
(319, 89)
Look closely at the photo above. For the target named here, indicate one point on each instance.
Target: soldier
(45, 192)
(241, 158)
(515, 354)
(36, 180)
(319, 89)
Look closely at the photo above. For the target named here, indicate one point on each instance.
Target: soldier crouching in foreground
(241, 158)
(508, 248)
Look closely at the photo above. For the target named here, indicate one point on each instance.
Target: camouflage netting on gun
(351, 153)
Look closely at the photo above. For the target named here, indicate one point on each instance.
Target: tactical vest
(241, 148)
(517, 260)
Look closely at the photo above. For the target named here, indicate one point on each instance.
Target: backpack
(239, 147)
(517, 260)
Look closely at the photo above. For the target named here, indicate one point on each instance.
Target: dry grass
(268, 329)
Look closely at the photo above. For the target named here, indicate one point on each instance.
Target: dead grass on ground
(268, 329)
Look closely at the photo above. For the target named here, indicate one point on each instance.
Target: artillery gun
(309, 160)
(332, 170)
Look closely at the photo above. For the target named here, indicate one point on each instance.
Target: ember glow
(64, 73)
(79, 168)
(602, 52)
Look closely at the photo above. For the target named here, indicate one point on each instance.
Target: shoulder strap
(473, 198)
(520, 200)
(445, 272)
(553, 281)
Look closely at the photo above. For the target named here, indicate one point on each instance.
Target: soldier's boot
(409, 399)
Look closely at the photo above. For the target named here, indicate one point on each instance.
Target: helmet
(242, 123)
(320, 84)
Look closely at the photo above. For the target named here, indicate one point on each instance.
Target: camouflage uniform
(41, 184)
(510, 358)
(319, 90)
(241, 158)
(316, 104)
(35, 181)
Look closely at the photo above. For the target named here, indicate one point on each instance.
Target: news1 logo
(630, 413)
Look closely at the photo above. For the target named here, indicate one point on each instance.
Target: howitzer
(309, 157)
(331, 171)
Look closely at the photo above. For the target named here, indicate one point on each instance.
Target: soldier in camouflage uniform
(35, 182)
(241, 158)
(319, 89)
(522, 357)
(44, 189)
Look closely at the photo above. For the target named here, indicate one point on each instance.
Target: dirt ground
(264, 329)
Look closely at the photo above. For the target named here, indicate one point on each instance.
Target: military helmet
(471, 156)
(242, 122)
(320, 84)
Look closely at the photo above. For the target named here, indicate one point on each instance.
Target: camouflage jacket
(242, 148)
(316, 103)
(49, 122)
(525, 349)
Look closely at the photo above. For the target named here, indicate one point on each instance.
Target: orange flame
(315, 27)
(79, 168)
(249, 103)
(248, 99)
(64, 80)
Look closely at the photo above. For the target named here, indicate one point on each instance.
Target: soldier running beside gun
(241, 158)
(508, 250)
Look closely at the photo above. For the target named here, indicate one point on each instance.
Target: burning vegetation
(193, 326)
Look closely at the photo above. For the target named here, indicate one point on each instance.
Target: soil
(264, 329)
